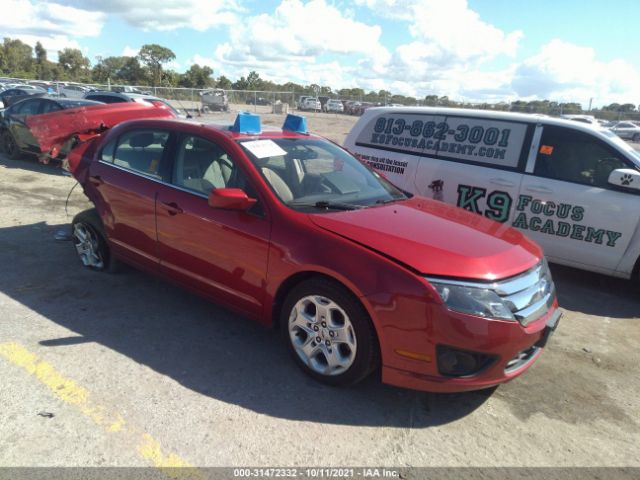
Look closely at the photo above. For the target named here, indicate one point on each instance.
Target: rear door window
(48, 106)
(28, 107)
(141, 151)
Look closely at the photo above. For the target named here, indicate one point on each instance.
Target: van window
(572, 156)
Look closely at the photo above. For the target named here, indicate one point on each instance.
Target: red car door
(221, 253)
(126, 177)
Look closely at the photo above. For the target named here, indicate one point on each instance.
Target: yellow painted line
(111, 421)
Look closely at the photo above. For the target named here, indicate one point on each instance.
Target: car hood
(433, 238)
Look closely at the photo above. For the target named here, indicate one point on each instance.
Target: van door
(567, 205)
(394, 143)
(476, 164)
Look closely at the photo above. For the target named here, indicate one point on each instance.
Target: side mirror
(230, 199)
(625, 177)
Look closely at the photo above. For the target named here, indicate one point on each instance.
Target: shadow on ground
(595, 294)
(30, 164)
(203, 347)
(217, 353)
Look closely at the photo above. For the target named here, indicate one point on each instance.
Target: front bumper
(513, 347)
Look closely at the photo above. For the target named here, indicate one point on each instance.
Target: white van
(572, 187)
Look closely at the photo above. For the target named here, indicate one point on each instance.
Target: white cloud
(128, 51)
(167, 15)
(48, 19)
(301, 30)
(448, 31)
(570, 72)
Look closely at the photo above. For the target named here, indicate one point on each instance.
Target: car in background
(352, 107)
(301, 100)
(13, 95)
(129, 89)
(115, 97)
(439, 298)
(627, 131)
(334, 106)
(258, 101)
(74, 91)
(311, 103)
(214, 99)
(590, 119)
(15, 135)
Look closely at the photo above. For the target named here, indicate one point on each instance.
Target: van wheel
(329, 333)
(10, 146)
(636, 137)
(91, 243)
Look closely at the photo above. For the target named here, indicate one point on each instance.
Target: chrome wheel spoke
(87, 246)
(309, 348)
(322, 335)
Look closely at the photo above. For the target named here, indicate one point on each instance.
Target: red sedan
(293, 231)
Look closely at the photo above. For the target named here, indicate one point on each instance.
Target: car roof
(224, 128)
(475, 113)
(73, 102)
(128, 95)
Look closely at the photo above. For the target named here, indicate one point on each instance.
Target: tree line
(148, 68)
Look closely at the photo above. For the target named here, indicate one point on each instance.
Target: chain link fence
(191, 99)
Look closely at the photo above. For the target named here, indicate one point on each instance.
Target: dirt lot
(126, 370)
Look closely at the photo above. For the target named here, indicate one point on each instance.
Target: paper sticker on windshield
(546, 150)
(264, 148)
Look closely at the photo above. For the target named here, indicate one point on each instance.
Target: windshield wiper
(390, 200)
(325, 205)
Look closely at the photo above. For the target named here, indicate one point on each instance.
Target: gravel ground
(126, 370)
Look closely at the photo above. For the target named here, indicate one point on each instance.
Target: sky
(470, 50)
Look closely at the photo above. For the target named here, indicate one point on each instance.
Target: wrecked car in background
(49, 128)
(214, 100)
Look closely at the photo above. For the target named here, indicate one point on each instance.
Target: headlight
(481, 302)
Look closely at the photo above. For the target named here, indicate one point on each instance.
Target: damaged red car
(291, 230)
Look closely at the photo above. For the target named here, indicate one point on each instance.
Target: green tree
(154, 56)
(16, 59)
(224, 83)
(74, 64)
(254, 82)
(42, 64)
(197, 77)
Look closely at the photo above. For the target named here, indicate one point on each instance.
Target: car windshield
(633, 153)
(316, 175)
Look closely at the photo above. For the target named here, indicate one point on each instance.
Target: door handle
(538, 189)
(502, 182)
(96, 180)
(172, 207)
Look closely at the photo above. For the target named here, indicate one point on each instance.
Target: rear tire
(91, 242)
(329, 333)
(10, 146)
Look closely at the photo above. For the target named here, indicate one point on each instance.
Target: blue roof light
(295, 123)
(247, 122)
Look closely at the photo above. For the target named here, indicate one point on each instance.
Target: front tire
(91, 243)
(329, 333)
(636, 137)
